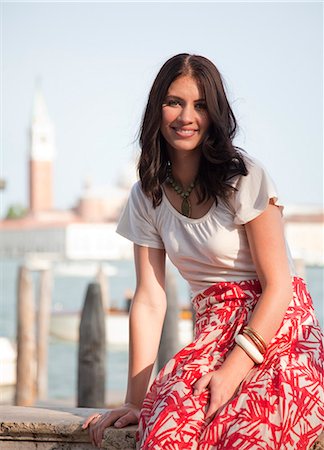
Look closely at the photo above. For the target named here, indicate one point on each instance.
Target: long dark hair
(220, 159)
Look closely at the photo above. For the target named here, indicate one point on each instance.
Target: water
(69, 294)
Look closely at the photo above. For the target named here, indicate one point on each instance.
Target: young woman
(253, 376)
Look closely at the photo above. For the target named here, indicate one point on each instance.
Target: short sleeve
(136, 220)
(254, 192)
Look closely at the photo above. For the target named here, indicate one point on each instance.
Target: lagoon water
(69, 293)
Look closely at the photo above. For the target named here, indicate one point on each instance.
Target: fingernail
(117, 424)
(196, 392)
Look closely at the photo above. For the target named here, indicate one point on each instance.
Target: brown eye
(201, 106)
(172, 102)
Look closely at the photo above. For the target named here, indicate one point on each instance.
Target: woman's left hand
(222, 388)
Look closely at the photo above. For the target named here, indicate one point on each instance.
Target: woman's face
(185, 119)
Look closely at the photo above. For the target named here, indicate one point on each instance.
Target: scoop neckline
(181, 216)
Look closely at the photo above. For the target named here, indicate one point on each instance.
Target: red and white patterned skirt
(278, 406)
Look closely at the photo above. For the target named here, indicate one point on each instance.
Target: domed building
(104, 203)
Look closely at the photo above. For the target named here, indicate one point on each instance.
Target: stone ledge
(55, 429)
(60, 429)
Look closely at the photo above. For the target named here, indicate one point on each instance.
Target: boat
(64, 325)
(7, 362)
(68, 268)
(74, 269)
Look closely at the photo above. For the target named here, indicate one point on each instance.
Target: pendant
(186, 207)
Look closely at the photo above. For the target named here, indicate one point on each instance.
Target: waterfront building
(304, 228)
(87, 230)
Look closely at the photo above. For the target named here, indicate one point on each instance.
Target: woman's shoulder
(256, 170)
(253, 191)
(138, 197)
(137, 191)
(252, 162)
(136, 188)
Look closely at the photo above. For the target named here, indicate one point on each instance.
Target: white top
(209, 249)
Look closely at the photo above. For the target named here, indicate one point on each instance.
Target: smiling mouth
(184, 132)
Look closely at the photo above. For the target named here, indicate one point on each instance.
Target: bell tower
(42, 152)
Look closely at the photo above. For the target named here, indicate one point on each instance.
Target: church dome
(128, 176)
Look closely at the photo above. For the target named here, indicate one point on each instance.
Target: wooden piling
(92, 351)
(43, 321)
(101, 278)
(25, 394)
(169, 344)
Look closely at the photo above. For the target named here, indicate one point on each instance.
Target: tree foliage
(16, 211)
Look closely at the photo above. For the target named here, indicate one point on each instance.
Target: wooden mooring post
(101, 278)
(26, 340)
(92, 350)
(43, 323)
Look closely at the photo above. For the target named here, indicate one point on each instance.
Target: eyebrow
(179, 98)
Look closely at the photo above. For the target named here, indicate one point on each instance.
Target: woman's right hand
(128, 414)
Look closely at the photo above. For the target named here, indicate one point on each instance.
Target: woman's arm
(147, 314)
(146, 320)
(267, 243)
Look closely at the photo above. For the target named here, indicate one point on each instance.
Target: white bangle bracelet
(249, 348)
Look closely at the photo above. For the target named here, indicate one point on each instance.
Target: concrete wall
(23, 428)
(18, 242)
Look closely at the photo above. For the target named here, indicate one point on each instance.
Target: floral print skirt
(278, 406)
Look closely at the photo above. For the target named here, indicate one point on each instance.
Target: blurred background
(74, 82)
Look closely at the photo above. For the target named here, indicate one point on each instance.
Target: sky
(97, 61)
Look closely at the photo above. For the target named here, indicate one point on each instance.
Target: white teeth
(185, 131)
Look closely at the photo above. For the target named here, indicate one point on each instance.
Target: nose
(187, 114)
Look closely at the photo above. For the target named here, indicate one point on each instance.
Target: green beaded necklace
(185, 205)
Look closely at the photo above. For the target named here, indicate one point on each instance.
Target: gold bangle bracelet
(257, 335)
(255, 340)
